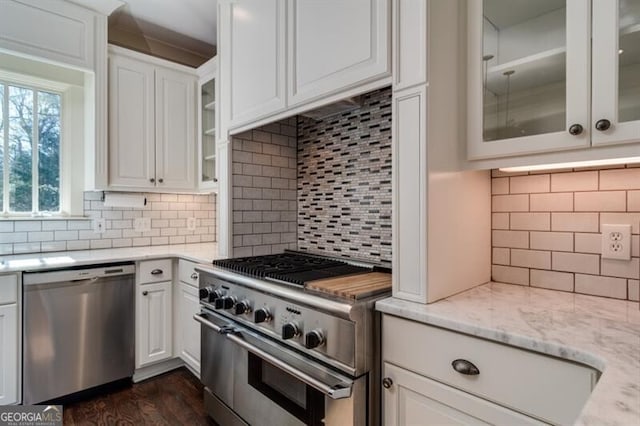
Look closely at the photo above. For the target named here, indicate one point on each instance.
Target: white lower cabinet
(415, 400)
(437, 376)
(187, 329)
(154, 323)
(8, 354)
(9, 340)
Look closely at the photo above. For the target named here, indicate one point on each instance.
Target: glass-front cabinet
(207, 126)
(534, 83)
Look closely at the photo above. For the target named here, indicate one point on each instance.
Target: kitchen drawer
(187, 272)
(8, 289)
(519, 379)
(153, 271)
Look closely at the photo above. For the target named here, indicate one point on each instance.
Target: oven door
(273, 385)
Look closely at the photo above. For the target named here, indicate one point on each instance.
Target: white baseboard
(145, 373)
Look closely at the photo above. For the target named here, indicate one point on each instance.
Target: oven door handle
(333, 392)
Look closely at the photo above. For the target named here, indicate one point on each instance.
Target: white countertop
(602, 333)
(201, 252)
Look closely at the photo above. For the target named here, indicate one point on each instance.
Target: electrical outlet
(191, 224)
(99, 225)
(616, 242)
(142, 224)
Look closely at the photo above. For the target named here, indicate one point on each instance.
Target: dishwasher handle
(77, 274)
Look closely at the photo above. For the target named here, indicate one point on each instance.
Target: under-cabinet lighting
(575, 164)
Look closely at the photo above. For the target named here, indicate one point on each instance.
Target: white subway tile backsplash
(28, 226)
(621, 268)
(574, 181)
(39, 236)
(510, 203)
(633, 289)
(601, 201)
(551, 280)
(500, 186)
(501, 256)
(632, 219)
(633, 201)
(509, 274)
(32, 236)
(601, 286)
(574, 222)
(531, 258)
(54, 225)
(551, 202)
(510, 239)
(575, 262)
(620, 179)
(556, 241)
(588, 243)
(529, 184)
(530, 221)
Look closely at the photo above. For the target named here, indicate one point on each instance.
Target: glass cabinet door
(529, 86)
(616, 71)
(208, 134)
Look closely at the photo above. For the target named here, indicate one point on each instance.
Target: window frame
(36, 84)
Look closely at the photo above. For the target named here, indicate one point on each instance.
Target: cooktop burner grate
(292, 268)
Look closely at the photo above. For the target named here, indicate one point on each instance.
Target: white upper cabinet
(334, 45)
(281, 57)
(152, 124)
(253, 41)
(616, 72)
(536, 84)
(131, 123)
(57, 31)
(175, 129)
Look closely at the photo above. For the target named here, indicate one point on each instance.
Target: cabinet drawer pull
(575, 129)
(465, 367)
(160, 180)
(152, 180)
(603, 125)
(387, 382)
(144, 293)
(157, 272)
(194, 276)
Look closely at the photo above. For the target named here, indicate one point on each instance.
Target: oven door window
(296, 397)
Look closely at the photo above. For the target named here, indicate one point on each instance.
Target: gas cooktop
(291, 267)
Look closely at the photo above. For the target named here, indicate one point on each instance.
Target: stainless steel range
(276, 353)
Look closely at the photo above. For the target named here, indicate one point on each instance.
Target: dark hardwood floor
(174, 398)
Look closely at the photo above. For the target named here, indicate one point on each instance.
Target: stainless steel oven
(275, 352)
(250, 379)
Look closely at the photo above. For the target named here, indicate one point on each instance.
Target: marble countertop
(200, 252)
(599, 332)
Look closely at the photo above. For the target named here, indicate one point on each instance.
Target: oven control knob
(261, 315)
(225, 302)
(290, 330)
(314, 338)
(208, 294)
(243, 307)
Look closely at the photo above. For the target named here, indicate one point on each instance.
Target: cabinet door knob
(387, 382)
(603, 124)
(152, 180)
(144, 293)
(156, 272)
(575, 129)
(160, 180)
(465, 367)
(194, 276)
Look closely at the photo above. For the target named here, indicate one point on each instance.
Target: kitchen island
(599, 332)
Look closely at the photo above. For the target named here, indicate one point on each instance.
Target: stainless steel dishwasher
(78, 329)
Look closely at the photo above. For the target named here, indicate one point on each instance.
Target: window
(30, 130)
